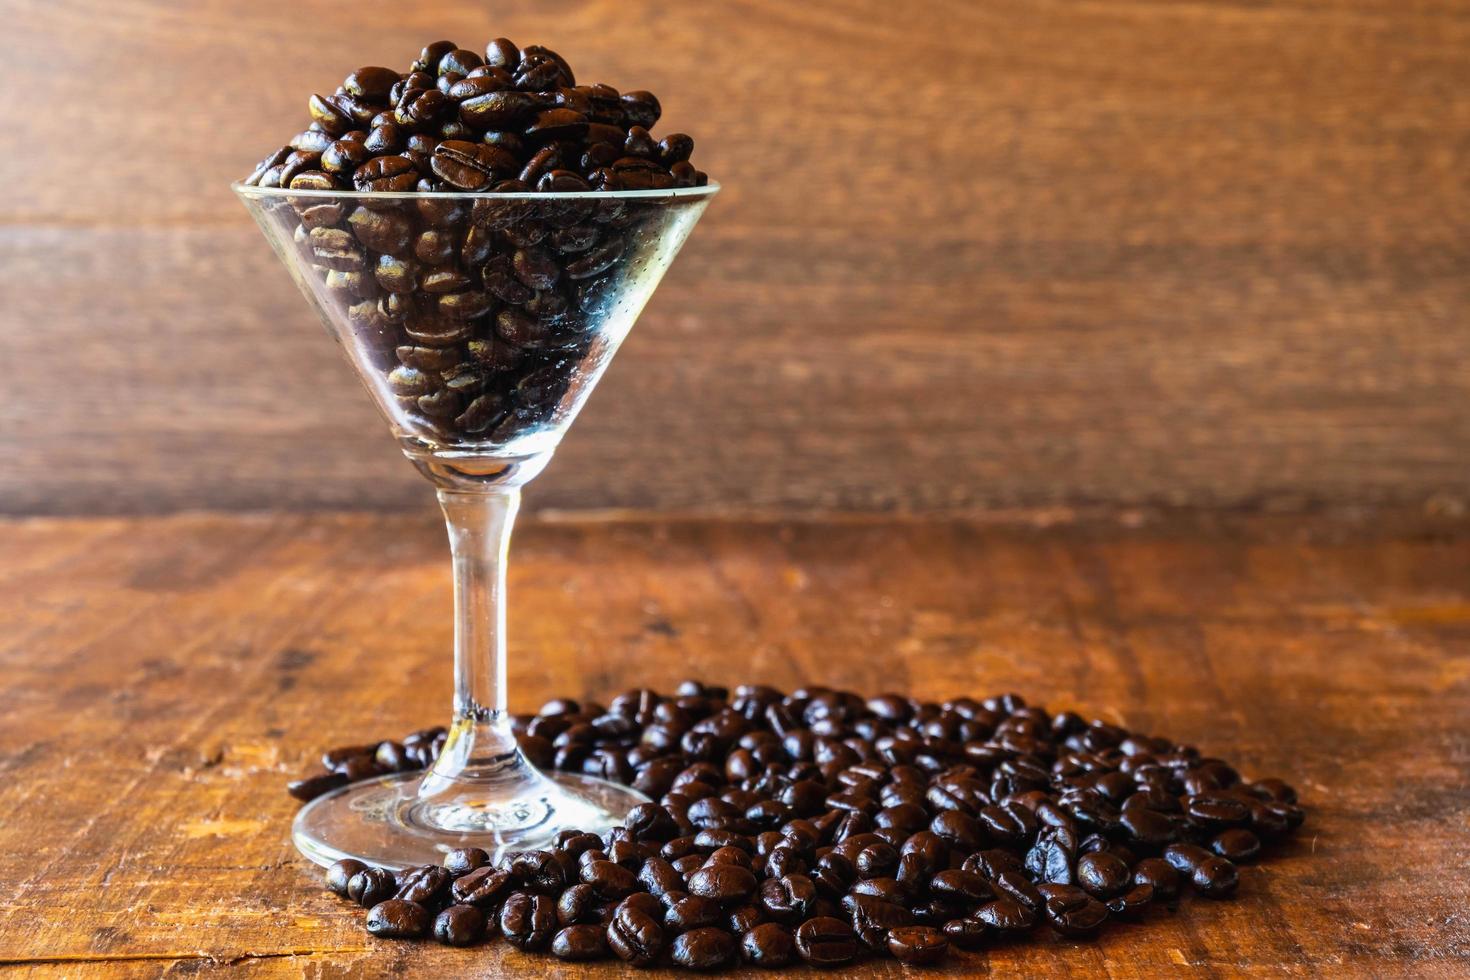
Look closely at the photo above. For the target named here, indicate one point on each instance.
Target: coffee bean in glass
(1237, 845)
(769, 945)
(826, 941)
(459, 925)
(371, 886)
(398, 919)
(917, 945)
(340, 873)
(635, 937)
(580, 942)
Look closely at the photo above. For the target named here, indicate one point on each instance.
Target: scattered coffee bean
(826, 942)
(821, 826)
(398, 919)
(917, 945)
(460, 925)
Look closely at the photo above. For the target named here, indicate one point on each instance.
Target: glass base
(389, 823)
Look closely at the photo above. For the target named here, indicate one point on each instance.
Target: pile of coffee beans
(477, 312)
(820, 827)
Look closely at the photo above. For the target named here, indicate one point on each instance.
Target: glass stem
(480, 744)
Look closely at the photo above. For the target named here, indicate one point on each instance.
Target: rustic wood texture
(161, 678)
(968, 254)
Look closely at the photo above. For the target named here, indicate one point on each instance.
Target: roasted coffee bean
(1132, 903)
(485, 887)
(340, 873)
(371, 886)
(427, 885)
(1075, 914)
(691, 912)
(459, 925)
(1214, 877)
(703, 949)
(768, 945)
(528, 921)
(635, 937)
(398, 919)
(1236, 845)
(917, 945)
(1102, 875)
(612, 881)
(966, 933)
(825, 941)
(1006, 916)
(789, 899)
(580, 942)
(1185, 857)
(1158, 874)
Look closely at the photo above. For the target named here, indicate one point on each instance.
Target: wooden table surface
(160, 678)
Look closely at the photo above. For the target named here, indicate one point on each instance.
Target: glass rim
(673, 193)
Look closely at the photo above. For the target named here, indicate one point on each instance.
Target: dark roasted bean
(528, 921)
(398, 919)
(460, 925)
(339, 874)
(703, 949)
(427, 885)
(768, 945)
(1237, 845)
(825, 941)
(371, 886)
(917, 945)
(580, 942)
(635, 937)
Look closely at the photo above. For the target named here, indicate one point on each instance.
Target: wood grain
(160, 678)
(968, 255)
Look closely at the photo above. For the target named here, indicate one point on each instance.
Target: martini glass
(479, 323)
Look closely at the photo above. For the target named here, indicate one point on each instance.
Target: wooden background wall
(969, 254)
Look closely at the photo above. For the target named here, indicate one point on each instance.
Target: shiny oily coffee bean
(459, 925)
(1102, 875)
(340, 873)
(1237, 845)
(826, 942)
(485, 887)
(465, 859)
(703, 949)
(692, 912)
(1132, 903)
(1075, 914)
(918, 945)
(966, 933)
(1215, 877)
(426, 885)
(528, 921)
(635, 937)
(371, 886)
(398, 919)
(1005, 916)
(1159, 875)
(768, 945)
(580, 942)
(1185, 857)
(728, 884)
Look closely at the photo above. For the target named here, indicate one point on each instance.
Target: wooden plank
(968, 255)
(161, 677)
